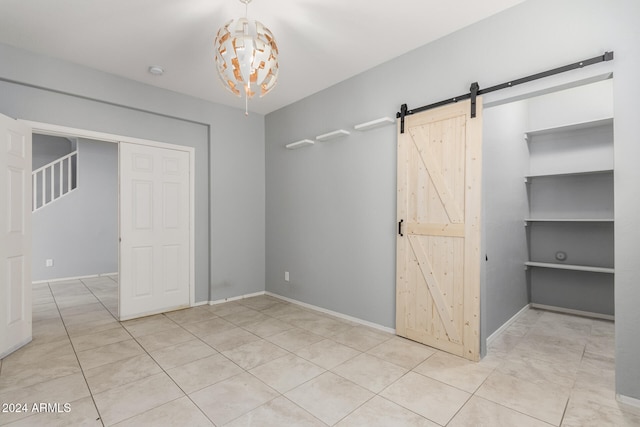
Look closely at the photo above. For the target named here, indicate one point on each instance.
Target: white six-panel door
(154, 230)
(15, 246)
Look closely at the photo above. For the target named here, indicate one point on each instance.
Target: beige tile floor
(264, 362)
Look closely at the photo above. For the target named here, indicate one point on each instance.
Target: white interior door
(15, 247)
(154, 230)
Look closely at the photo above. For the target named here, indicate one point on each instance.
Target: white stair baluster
(44, 187)
(60, 193)
(33, 191)
(68, 174)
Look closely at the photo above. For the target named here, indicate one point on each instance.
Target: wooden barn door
(438, 243)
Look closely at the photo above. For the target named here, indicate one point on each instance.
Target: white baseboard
(309, 306)
(334, 313)
(67, 279)
(506, 324)
(197, 304)
(572, 311)
(222, 301)
(632, 402)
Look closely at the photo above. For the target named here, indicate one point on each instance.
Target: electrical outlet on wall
(48, 263)
(286, 276)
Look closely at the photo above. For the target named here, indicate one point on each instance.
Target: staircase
(54, 180)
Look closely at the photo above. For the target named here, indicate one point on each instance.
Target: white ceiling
(321, 42)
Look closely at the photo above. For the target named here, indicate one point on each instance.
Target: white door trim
(57, 130)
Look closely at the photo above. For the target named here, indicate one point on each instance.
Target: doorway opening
(130, 210)
(548, 211)
(75, 216)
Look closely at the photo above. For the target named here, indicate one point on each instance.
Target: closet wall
(503, 285)
(571, 201)
(548, 205)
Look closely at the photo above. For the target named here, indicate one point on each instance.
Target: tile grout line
(298, 406)
(376, 395)
(150, 356)
(474, 394)
(244, 370)
(471, 395)
(100, 300)
(205, 343)
(165, 372)
(512, 409)
(337, 374)
(157, 364)
(289, 353)
(295, 355)
(220, 353)
(566, 405)
(76, 354)
(530, 331)
(347, 379)
(434, 379)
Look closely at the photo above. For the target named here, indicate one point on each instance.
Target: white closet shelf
(382, 121)
(299, 144)
(561, 174)
(569, 127)
(331, 135)
(570, 267)
(569, 219)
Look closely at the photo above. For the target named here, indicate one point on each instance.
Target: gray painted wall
(505, 161)
(80, 230)
(331, 208)
(229, 148)
(573, 289)
(47, 148)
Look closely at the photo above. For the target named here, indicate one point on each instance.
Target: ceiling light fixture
(246, 56)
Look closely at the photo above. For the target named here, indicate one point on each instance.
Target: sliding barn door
(15, 236)
(154, 230)
(438, 244)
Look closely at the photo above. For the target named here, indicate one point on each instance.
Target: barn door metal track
(475, 90)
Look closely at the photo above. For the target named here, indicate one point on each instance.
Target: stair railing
(54, 180)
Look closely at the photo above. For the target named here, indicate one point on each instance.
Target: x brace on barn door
(475, 90)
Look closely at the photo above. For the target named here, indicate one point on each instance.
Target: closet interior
(549, 202)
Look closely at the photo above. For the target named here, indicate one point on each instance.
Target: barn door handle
(400, 227)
